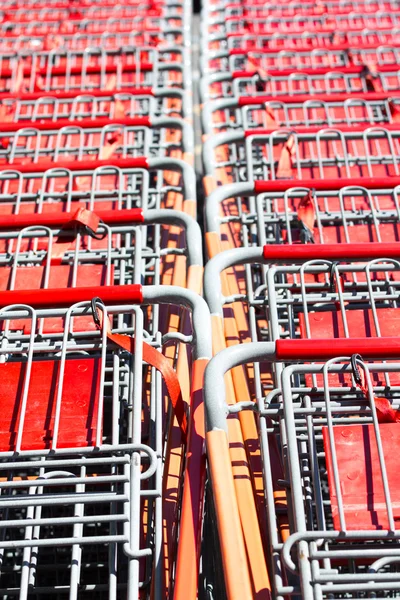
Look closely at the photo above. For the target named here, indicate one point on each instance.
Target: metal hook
(355, 359)
(93, 307)
(94, 234)
(332, 276)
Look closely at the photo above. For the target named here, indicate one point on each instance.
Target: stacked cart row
(301, 153)
(104, 335)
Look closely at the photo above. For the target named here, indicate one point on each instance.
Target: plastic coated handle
(383, 348)
(316, 128)
(304, 252)
(56, 298)
(109, 217)
(81, 123)
(330, 48)
(371, 183)
(140, 162)
(60, 94)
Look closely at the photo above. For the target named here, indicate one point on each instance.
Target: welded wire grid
(316, 405)
(80, 505)
(289, 112)
(73, 142)
(351, 214)
(37, 256)
(328, 153)
(302, 40)
(91, 68)
(88, 105)
(331, 82)
(105, 187)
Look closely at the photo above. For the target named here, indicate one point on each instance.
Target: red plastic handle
(82, 123)
(329, 48)
(317, 128)
(140, 162)
(300, 99)
(304, 252)
(371, 183)
(109, 217)
(384, 348)
(59, 94)
(55, 298)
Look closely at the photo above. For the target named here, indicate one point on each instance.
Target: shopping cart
(298, 23)
(92, 68)
(303, 153)
(305, 81)
(304, 40)
(328, 551)
(111, 247)
(291, 9)
(263, 112)
(100, 138)
(120, 183)
(81, 40)
(334, 211)
(93, 104)
(113, 447)
(95, 25)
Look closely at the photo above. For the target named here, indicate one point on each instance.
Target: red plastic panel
(360, 475)
(79, 404)
(327, 325)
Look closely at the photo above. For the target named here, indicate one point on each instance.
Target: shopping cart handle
(81, 123)
(109, 217)
(371, 183)
(299, 252)
(60, 94)
(320, 349)
(317, 128)
(140, 162)
(56, 298)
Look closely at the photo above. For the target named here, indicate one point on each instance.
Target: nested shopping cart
(120, 183)
(55, 28)
(92, 68)
(107, 435)
(93, 104)
(297, 23)
(332, 57)
(291, 9)
(302, 153)
(335, 211)
(332, 420)
(94, 10)
(304, 40)
(305, 81)
(263, 112)
(101, 138)
(80, 40)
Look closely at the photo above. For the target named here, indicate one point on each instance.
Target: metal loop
(355, 359)
(93, 303)
(94, 234)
